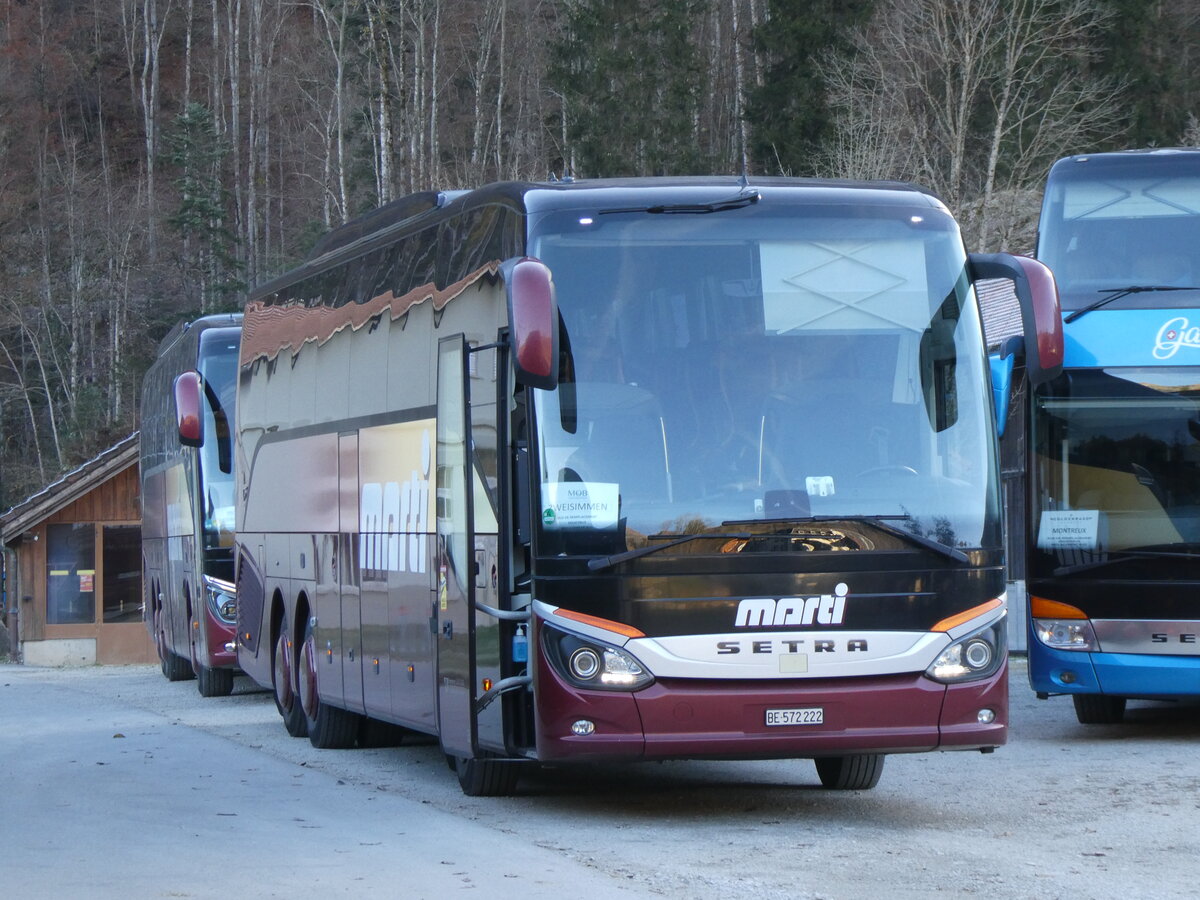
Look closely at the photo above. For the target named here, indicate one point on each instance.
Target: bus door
(354, 654)
(454, 595)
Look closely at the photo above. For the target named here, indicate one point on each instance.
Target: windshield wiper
(1118, 293)
(878, 522)
(746, 197)
(604, 562)
(1124, 556)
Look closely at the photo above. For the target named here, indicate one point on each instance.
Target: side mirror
(533, 321)
(189, 409)
(1041, 317)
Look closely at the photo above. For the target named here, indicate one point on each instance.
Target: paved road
(119, 784)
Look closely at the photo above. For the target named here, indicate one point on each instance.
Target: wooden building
(73, 566)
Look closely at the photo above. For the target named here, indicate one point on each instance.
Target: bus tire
(1098, 709)
(329, 727)
(213, 682)
(485, 777)
(859, 772)
(174, 667)
(282, 683)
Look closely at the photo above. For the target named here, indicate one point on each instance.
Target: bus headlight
(588, 663)
(1065, 634)
(976, 655)
(222, 599)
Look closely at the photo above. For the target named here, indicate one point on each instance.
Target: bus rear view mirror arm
(1041, 317)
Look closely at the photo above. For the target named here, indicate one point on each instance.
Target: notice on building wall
(1069, 529)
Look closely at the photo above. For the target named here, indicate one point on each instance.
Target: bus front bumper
(681, 718)
(1139, 675)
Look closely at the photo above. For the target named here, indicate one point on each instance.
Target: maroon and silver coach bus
(186, 457)
(630, 470)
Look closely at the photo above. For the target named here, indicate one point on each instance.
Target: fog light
(986, 716)
(1068, 677)
(582, 728)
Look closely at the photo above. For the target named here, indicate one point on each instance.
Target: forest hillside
(161, 156)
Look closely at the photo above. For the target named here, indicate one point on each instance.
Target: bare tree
(973, 98)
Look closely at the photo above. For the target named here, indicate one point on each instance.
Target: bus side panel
(325, 598)
(153, 548)
(183, 609)
(488, 634)
(411, 599)
(253, 628)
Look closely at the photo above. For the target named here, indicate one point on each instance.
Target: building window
(71, 581)
(122, 573)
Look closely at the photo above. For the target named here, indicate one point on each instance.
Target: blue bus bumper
(1117, 674)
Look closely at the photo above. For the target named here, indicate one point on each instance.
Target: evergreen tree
(1150, 47)
(788, 111)
(631, 78)
(196, 150)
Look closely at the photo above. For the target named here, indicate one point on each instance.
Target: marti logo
(393, 521)
(1176, 333)
(823, 609)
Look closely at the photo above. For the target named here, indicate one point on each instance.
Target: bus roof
(361, 234)
(195, 326)
(1124, 157)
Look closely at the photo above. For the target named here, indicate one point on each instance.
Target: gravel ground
(1063, 810)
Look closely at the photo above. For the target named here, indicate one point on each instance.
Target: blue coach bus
(1113, 555)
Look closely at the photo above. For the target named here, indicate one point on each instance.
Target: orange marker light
(1041, 608)
(966, 616)
(606, 624)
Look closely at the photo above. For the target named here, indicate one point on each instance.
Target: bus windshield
(1123, 224)
(218, 371)
(1116, 469)
(762, 363)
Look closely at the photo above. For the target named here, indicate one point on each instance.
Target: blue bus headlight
(222, 599)
(1065, 634)
(592, 664)
(974, 656)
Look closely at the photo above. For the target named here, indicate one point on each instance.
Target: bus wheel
(329, 727)
(173, 666)
(176, 668)
(214, 682)
(850, 773)
(484, 777)
(1098, 709)
(281, 680)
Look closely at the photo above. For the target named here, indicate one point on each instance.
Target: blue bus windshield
(1116, 222)
(1116, 467)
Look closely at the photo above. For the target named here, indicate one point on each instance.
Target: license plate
(811, 715)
